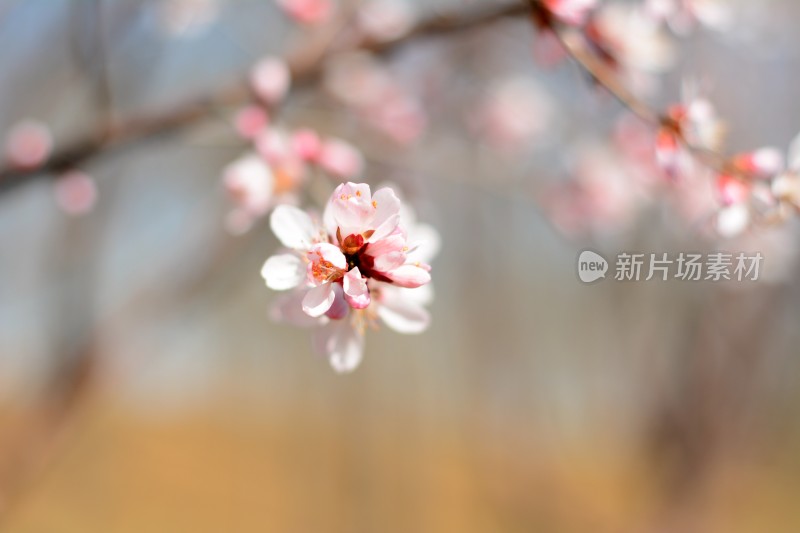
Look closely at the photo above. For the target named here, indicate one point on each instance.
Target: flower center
(323, 270)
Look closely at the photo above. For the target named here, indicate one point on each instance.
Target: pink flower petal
(352, 208)
(356, 291)
(386, 216)
(410, 276)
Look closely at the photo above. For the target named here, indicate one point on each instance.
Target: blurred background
(143, 386)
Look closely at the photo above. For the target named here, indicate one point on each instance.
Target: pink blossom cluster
(366, 260)
(277, 167)
(280, 160)
(630, 38)
(29, 145)
(376, 96)
(514, 114)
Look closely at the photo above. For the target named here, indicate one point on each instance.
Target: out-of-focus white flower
(75, 192)
(603, 195)
(386, 20)
(695, 121)
(683, 15)
(251, 185)
(786, 184)
(250, 182)
(515, 114)
(359, 265)
(733, 220)
(271, 79)
(631, 41)
(29, 144)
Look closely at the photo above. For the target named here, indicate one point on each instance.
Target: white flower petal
(733, 220)
(340, 308)
(318, 300)
(404, 316)
(288, 309)
(425, 242)
(794, 154)
(341, 343)
(293, 227)
(283, 272)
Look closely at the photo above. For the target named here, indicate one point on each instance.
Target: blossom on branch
(360, 263)
(29, 144)
(271, 79)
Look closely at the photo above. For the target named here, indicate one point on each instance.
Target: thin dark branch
(575, 45)
(130, 130)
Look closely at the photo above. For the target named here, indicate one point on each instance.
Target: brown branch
(576, 46)
(304, 72)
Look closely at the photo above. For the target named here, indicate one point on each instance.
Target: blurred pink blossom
(632, 42)
(29, 144)
(271, 79)
(514, 114)
(364, 84)
(250, 121)
(603, 195)
(276, 147)
(764, 163)
(307, 11)
(693, 120)
(306, 144)
(340, 158)
(75, 192)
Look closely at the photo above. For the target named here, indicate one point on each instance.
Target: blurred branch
(576, 46)
(305, 71)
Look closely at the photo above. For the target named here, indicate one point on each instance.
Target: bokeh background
(143, 386)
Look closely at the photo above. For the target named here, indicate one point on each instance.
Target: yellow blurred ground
(212, 472)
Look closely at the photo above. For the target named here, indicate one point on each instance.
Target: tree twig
(127, 131)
